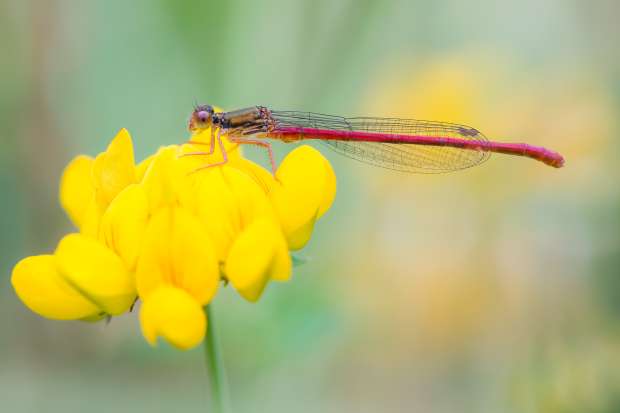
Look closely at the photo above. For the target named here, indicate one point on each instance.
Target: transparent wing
(400, 156)
(409, 158)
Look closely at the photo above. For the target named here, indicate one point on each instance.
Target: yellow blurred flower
(168, 235)
(479, 260)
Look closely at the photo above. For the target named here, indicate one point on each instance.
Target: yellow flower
(86, 278)
(88, 185)
(229, 222)
(81, 280)
(170, 233)
(177, 274)
(306, 191)
(124, 222)
(173, 314)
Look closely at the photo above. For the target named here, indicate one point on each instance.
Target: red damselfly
(407, 145)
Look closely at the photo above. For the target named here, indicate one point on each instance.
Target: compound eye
(203, 116)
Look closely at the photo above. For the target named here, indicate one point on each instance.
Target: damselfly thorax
(400, 144)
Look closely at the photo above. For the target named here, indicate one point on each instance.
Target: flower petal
(299, 235)
(251, 259)
(142, 167)
(96, 272)
(76, 188)
(92, 219)
(124, 223)
(215, 206)
(114, 169)
(259, 174)
(175, 315)
(307, 189)
(226, 200)
(282, 264)
(42, 289)
(177, 251)
(329, 192)
(164, 178)
(251, 202)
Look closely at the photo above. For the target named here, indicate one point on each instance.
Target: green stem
(215, 366)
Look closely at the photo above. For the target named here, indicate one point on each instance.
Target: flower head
(159, 232)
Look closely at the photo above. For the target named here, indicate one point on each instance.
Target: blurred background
(495, 289)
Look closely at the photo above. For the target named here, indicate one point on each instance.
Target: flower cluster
(161, 233)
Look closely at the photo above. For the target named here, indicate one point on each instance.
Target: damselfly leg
(218, 139)
(211, 143)
(257, 142)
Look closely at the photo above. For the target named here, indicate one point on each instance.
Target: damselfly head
(201, 118)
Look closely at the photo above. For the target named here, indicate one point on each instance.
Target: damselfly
(401, 144)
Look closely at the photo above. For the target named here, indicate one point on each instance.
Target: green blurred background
(495, 289)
